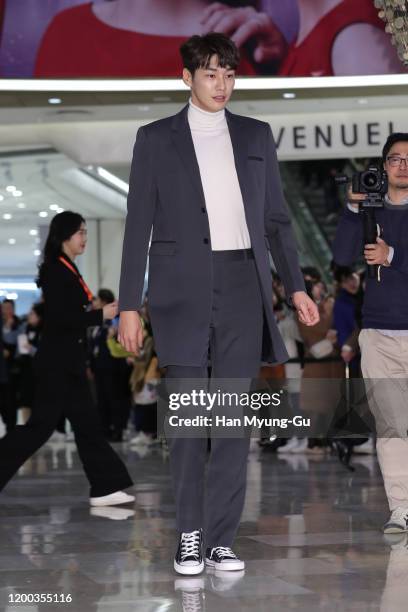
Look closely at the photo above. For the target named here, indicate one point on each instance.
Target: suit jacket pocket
(256, 158)
(163, 248)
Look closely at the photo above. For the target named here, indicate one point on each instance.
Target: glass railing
(313, 245)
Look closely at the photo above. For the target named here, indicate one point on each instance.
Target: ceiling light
(33, 232)
(20, 285)
(37, 252)
(11, 188)
(16, 193)
(12, 241)
(362, 101)
(60, 210)
(7, 216)
(1, 198)
(54, 100)
(12, 296)
(54, 207)
(170, 85)
(289, 95)
(43, 213)
(112, 179)
(21, 205)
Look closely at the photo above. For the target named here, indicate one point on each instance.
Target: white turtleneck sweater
(223, 198)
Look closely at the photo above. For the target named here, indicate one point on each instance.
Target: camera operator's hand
(377, 254)
(355, 198)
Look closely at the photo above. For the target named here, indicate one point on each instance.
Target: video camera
(373, 183)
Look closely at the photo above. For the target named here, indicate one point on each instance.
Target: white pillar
(88, 263)
(110, 251)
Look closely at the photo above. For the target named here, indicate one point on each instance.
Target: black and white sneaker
(189, 557)
(223, 558)
(398, 521)
(192, 593)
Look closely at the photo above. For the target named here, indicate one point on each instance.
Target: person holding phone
(62, 387)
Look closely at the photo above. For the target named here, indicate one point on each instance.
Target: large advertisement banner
(141, 38)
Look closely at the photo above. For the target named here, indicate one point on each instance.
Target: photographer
(384, 336)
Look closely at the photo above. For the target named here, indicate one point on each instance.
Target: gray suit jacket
(166, 193)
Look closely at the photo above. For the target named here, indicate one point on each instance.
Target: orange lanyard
(81, 280)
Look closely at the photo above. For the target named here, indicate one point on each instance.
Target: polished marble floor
(310, 536)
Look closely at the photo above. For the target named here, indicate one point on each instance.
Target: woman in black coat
(62, 387)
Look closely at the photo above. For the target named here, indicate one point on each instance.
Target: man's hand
(130, 333)
(377, 253)
(306, 309)
(243, 23)
(347, 354)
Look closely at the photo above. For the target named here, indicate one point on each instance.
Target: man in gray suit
(207, 182)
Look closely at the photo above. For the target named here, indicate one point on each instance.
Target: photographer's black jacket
(385, 302)
(66, 317)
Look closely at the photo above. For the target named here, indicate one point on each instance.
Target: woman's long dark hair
(62, 227)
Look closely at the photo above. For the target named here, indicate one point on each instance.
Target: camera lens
(370, 180)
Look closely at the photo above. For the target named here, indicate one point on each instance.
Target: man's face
(7, 310)
(351, 283)
(211, 87)
(318, 291)
(396, 166)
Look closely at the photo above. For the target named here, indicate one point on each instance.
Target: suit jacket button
(80, 341)
(205, 240)
(203, 210)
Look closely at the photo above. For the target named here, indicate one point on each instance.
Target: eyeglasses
(396, 160)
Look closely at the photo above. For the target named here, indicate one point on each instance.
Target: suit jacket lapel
(181, 135)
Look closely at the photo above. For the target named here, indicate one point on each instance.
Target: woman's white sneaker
(113, 499)
(398, 521)
(223, 558)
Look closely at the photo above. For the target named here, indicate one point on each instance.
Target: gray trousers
(214, 498)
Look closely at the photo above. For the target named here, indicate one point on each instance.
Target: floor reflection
(310, 535)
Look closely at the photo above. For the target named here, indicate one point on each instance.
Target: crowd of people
(320, 356)
(125, 387)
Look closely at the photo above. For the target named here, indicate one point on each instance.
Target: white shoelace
(223, 551)
(399, 514)
(191, 602)
(190, 545)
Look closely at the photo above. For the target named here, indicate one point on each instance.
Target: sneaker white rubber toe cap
(114, 499)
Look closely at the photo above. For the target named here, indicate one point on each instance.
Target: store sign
(328, 135)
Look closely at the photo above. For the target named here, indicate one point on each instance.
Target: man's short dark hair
(197, 51)
(8, 301)
(391, 141)
(342, 273)
(312, 273)
(106, 295)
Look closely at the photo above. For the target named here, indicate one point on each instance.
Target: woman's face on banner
(211, 87)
